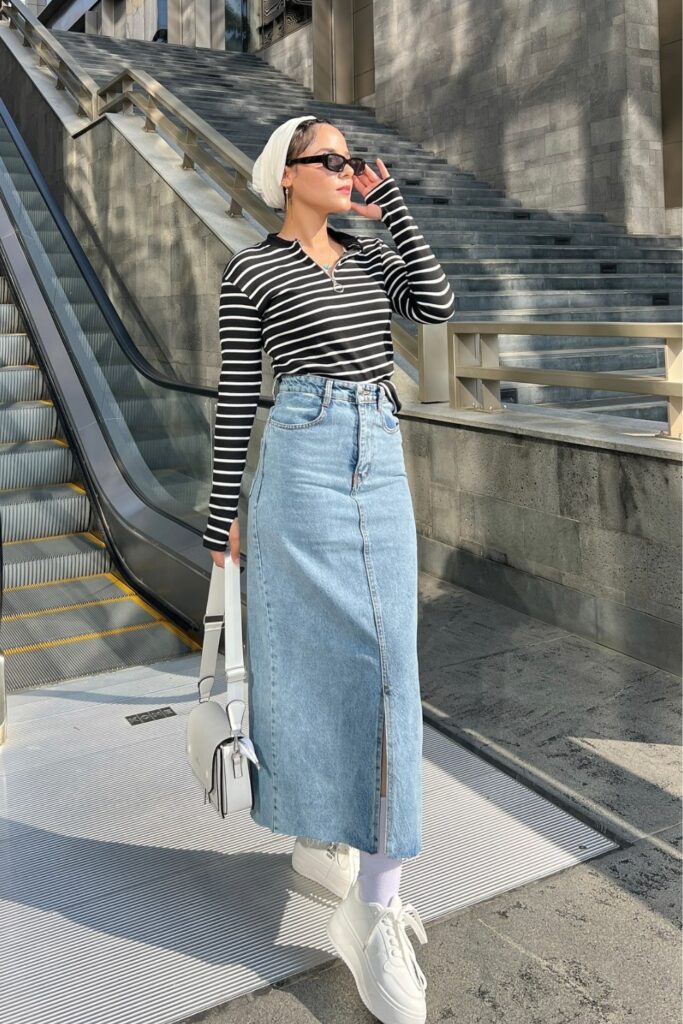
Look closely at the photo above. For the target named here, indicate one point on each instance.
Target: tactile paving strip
(124, 900)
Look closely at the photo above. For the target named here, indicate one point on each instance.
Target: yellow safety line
(65, 579)
(57, 536)
(128, 595)
(32, 440)
(62, 608)
(43, 487)
(81, 636)
(131, 594)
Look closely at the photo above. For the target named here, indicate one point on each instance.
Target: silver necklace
(326, 266)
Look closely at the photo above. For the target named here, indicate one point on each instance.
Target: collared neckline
(347, 240)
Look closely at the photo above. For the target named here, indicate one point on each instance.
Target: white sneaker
(334, 865)
(372, 941)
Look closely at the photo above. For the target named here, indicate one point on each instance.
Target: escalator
(105, 462)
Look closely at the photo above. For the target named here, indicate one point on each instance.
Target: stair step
(495, 268)
(563, 282)
(636, 314)
(596, 359)
(561, 300)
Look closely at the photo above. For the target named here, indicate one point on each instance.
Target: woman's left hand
(364, 183)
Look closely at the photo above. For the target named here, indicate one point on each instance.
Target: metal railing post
(673, 361)
(432, 362)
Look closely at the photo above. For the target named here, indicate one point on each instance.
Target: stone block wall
(588, 538)
(557, 103)
(293, 55)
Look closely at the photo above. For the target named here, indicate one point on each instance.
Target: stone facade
(293, 55)
(582, 535)
(556, 103)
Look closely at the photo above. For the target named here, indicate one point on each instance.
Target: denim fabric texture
(332, 618)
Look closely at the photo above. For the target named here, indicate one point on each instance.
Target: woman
(334, 700)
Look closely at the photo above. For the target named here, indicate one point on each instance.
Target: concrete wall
(588, 538)
(557, 103)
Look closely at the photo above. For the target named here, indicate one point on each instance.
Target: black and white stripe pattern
(275, 297)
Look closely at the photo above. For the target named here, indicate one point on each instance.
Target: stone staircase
(503, 260)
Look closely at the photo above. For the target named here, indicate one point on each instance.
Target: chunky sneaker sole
(333, 865)
(371, 939)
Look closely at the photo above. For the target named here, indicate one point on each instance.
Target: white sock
(379, 876)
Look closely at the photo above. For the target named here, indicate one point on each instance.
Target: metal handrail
(70, 75)
(474, 361)
(132, 87)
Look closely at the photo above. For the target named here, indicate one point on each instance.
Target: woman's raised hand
(364, 182)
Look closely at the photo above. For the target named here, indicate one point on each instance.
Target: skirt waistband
(332, 388)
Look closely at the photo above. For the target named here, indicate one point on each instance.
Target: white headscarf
(269, 166)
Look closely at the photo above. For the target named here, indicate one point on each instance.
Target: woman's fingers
(234, 539)
(368, 179)
(369, 210)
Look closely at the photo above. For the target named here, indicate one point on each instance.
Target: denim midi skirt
(332, 619)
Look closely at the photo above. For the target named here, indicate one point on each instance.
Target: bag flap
(207, 727)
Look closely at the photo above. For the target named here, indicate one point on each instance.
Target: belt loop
(276, 387)
(327, 395)
(379, 396)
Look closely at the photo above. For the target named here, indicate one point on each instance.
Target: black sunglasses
(333, 162)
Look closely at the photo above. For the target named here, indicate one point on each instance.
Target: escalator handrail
(114, 322)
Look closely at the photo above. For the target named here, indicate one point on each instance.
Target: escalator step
(31, 629)
(28, 421)
(91, 589)
(87, 657)
(29, 512)
(29, 463)
(53, 558)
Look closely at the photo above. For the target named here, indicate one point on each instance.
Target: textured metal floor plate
(124, 900)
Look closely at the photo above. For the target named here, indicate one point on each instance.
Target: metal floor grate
(123, 900)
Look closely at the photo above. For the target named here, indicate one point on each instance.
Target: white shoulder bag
(219, 752)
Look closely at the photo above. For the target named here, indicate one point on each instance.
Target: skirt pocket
(297, 410)
(389, 420)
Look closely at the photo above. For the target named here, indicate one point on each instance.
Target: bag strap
(223, 608)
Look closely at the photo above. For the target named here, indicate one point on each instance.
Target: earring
(286, 198)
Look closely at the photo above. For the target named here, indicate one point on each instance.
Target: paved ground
(600, 733)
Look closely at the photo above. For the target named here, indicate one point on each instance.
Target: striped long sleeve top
(276, 298)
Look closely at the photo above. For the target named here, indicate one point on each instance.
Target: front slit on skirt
(332, 619)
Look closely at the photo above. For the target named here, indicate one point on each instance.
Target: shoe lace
(394, 922)
(342, 851)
